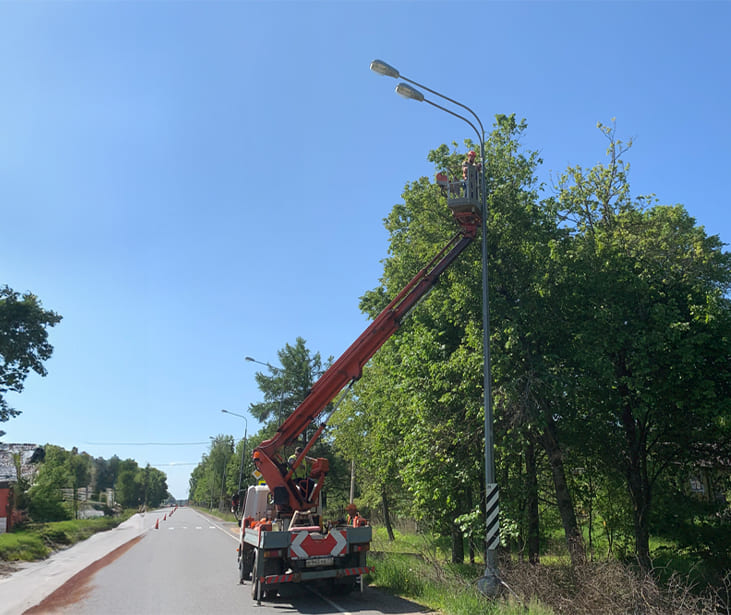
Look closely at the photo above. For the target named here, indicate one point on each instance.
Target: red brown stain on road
(77, 587)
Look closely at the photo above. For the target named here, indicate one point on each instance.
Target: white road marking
(218, 527)
(337, 607)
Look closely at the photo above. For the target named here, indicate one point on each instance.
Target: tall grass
(417, 567)
(414, 566)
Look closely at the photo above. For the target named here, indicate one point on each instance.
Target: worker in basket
(301, 475)
(469, 177)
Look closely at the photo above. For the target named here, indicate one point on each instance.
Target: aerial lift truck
(282, 537)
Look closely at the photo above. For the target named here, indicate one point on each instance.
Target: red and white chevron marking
(304, 544)
(277, 578)
(349, 572)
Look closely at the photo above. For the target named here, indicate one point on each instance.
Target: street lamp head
(241, 416)
(249, 359)
(407, 91)
(380, 67)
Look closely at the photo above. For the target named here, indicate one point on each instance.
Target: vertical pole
(243, 455)
(489, 582)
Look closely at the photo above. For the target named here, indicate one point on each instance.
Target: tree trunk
(387, 515)
(531, 504)
(639, 485)
(574, 538)
(457, 545)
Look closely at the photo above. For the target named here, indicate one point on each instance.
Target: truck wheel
(245, 561)
(242, 575)
(255, 579)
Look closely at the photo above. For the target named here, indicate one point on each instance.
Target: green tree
(288, 385)
(196, 482)
(361, 434)
(644, 290)
(21, 485)
(46, 498)
(79, 474)
(24, 342)
(127, 488)
(154, 484)
(222, 451)
(435, 371)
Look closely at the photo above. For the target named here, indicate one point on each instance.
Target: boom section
(349, 366)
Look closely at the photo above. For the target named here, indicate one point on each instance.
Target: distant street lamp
(275, 370)
(489, 583)
(243, 450)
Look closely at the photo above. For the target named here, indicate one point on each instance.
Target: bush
(45, 504)
(610, 588)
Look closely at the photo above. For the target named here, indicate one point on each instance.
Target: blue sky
(188, 183)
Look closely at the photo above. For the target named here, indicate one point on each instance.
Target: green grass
(37, 540)
(22, 546)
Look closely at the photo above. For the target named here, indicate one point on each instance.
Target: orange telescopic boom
(268, 457)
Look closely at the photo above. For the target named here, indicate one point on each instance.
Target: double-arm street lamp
(489, 583)
(243, 450)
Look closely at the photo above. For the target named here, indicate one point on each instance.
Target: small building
(5, 491)
(29, 455)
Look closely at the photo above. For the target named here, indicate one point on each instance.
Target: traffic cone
(157, 523)
(165, 518)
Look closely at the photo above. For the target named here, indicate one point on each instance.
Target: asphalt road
(187, 565)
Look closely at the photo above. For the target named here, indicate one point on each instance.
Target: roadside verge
(32, 582)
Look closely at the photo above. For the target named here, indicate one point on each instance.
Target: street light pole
(489, 583)
(243, 450)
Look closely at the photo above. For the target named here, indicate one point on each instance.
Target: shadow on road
(299, 600)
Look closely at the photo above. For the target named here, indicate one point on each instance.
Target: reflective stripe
(295, 578)
(277, 578)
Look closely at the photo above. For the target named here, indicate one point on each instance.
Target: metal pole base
(489, 583)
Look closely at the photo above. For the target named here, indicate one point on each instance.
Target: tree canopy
(24, 342)
(610, 346)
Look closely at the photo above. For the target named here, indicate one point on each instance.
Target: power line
(147, 443)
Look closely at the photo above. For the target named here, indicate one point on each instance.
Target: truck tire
(245, 564)
(242, 573)
(255, 579)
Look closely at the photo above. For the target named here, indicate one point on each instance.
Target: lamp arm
(461, 117)
(454, 102)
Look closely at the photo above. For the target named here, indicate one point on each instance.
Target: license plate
(319, 561)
